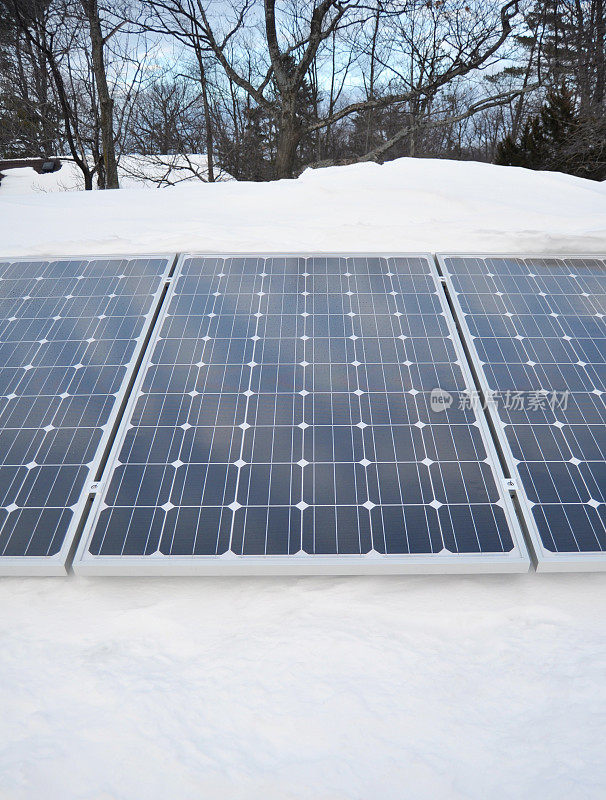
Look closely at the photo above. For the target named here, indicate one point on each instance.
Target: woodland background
(266, 89)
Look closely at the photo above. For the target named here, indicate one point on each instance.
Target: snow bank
(389, 688)
(409, 204)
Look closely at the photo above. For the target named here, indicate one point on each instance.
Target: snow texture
(406, 205)
(392, 688)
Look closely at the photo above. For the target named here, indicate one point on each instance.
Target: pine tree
(558, 139)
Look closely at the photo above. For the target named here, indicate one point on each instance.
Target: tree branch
(481, 105)
(458, 68)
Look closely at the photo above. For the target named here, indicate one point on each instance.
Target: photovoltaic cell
(283, 420)
(539, 333)
(69, 334)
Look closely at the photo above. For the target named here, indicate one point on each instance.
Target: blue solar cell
(539, 334)
(284, 411)
(69, 332)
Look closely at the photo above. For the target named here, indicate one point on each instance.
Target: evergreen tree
(558, 139)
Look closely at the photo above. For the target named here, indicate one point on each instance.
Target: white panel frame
(57, 565)
(516, 561)
(544, 560)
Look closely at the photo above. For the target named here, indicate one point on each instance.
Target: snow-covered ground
(332, 689)
(316, 689)
(410, 204)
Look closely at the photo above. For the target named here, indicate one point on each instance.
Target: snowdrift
(409, 204)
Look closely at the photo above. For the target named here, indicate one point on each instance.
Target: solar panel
(538, 333)
(71, 331)
(284, 421)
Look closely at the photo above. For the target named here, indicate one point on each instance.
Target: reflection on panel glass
(540, 330)
(286, 409)
(68, 331)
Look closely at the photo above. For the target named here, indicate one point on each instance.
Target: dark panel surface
(285, 410)
(540, 333)
(68, 330)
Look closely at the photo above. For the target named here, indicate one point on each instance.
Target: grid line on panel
(372, 428)
(545, 334)
(274, 382)
(361, 488)
(395, 334)
(196, 419)
(69, 333)
(252, 365)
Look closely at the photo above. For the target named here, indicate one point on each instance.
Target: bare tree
(269, 87)
(180, 19)
(435, 47)
(106, 103)
(28, 108)
(290, 40)
(53, 31)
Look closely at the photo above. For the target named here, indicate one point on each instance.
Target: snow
(332, 689)
(388, 688)
(409, 204)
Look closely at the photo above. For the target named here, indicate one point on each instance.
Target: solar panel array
(69, 333)
(539, 331)
(301, 414)
(283, 420)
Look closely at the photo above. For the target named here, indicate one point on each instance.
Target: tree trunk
(370, 116)
(106, 103)
(207, 119)
(288, 140)
(600, 46)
